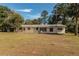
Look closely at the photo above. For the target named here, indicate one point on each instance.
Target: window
(43, 29)
(28, 28)
(51, 29)
(37, 28)
(59, 28)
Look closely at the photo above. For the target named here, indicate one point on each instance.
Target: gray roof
(42, 25)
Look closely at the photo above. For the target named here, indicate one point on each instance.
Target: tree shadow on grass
(52, 34)
(71, 34)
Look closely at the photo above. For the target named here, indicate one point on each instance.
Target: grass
(24, 44)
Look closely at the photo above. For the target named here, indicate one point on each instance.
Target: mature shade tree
(74, 13)
(59, 14)
(27, 22)
(32, 22)
(39, 20)
(53, 19)
(44, 16)
(3, 13)
(64, 12)
(35, 21)
(9, 20)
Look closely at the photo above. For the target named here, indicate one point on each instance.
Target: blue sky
(30, 10)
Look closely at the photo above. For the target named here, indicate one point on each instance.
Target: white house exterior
(55, 28)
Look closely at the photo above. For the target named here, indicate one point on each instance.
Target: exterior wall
(61, 31)
(31, 30)
(55, 29)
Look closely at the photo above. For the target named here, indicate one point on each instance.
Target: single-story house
(55, 28)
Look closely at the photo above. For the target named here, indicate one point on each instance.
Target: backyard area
(20, 43)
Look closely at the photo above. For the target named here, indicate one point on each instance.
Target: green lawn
(21, 43)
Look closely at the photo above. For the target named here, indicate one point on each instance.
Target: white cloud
(25, 10)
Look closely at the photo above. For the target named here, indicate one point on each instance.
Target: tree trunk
(64, 20)
(76, 27)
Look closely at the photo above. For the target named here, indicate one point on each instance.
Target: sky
(30, 10)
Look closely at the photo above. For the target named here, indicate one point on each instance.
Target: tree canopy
(9, 19)
(67, 14)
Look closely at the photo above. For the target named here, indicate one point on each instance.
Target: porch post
(38, 29)
(47, 29)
